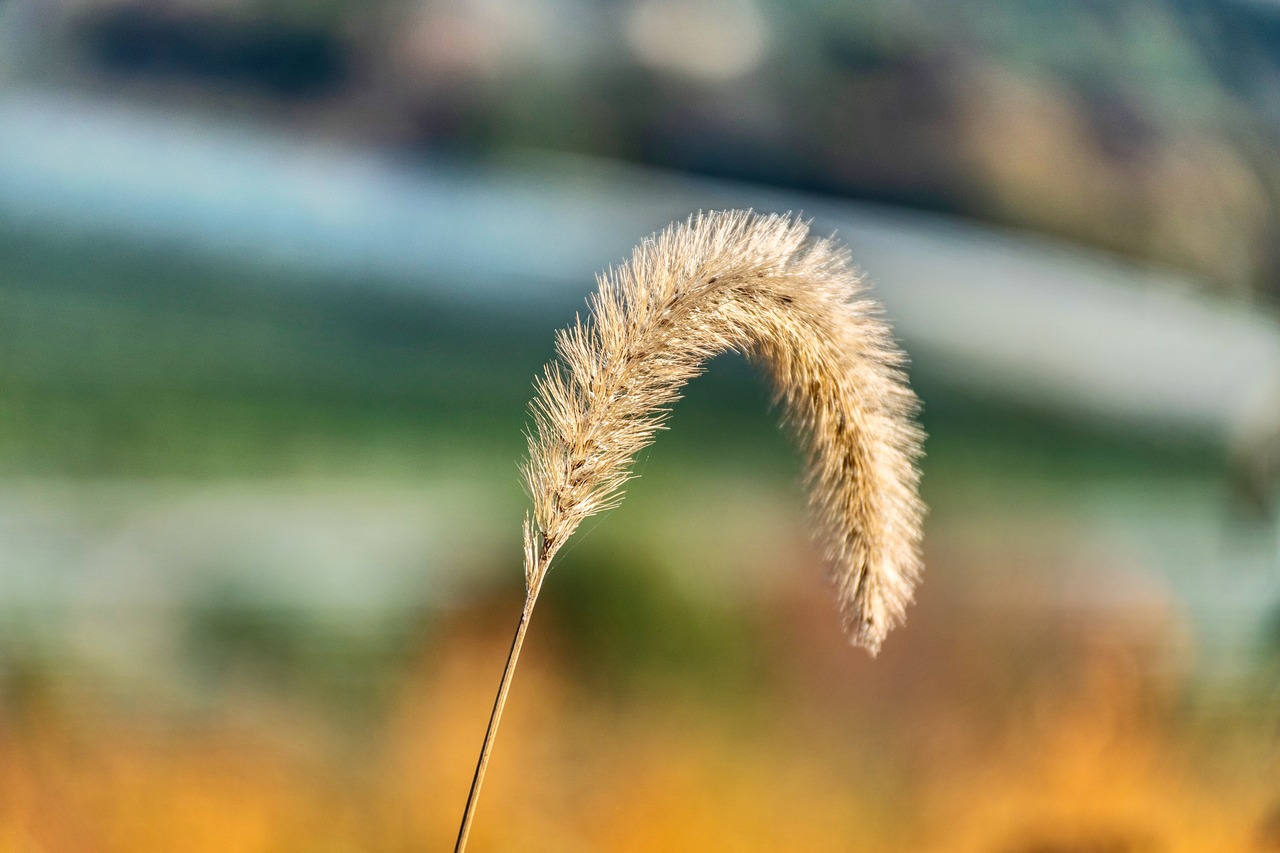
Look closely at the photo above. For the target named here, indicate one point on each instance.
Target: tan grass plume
(759, 285)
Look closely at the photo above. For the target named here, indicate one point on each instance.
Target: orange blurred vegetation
(937, 746)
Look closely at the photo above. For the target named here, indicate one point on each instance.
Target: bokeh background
(275, 277)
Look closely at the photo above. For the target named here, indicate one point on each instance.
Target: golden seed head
(761, 286)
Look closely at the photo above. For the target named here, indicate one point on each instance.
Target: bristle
(758, 285)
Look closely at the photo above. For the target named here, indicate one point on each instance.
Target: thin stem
(531, 598)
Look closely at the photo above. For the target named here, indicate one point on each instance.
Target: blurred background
(276, 276)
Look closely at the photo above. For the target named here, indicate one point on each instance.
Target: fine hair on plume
(759, 285)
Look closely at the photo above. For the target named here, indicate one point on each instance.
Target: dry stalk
(761, 286)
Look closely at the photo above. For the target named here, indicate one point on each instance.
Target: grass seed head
(759, 285)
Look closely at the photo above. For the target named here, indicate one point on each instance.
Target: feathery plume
(758, 285)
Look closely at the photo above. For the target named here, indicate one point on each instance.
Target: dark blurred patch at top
(1149, 128)
(276, 58)
(1242, 41)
